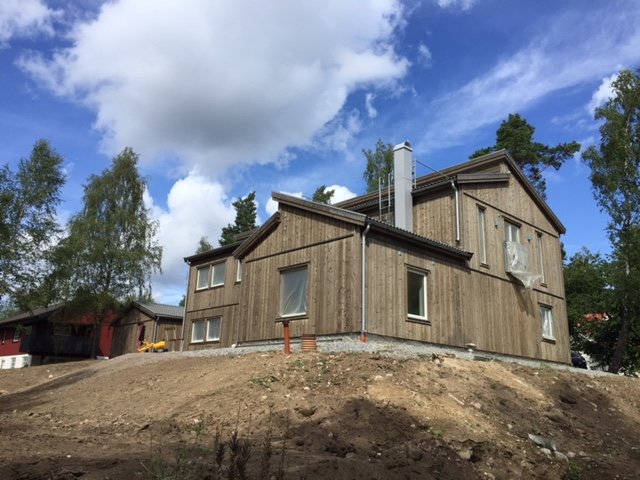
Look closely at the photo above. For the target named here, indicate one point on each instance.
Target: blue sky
(222, 98)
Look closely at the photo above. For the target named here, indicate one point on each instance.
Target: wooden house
(50, 334)
(468, 257)
(151, 322)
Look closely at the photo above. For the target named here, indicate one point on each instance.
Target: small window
(511, 232)
(213, 329)
(547, 322)
(218, 274)
(417, 294)
(482, 235)
(198, 331)
(16, 335)
(540, 256)
(205, 330)
(239, 270)
(202, 280)
(293, 291)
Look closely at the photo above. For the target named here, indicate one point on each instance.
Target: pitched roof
(32, 314)
(161, 310)
(460, 173)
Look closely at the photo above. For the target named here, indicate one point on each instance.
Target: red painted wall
(7, 345)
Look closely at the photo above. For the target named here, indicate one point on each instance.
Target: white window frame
(217, 266)
(482, 234)
(283, 273)
(239, 265)
(201, 269)
(423, 274)
(548, 325)
(207, 333)
(540, 256)
(509, 228)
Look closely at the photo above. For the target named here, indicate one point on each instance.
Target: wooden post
(287, 341)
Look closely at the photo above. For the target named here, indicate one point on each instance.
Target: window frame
(198, 270)
(239, 267)
(546, 317)
(541, 257)
(412, 316)
(482, 235)
(283, 272)
(206, 323)
(512, 225)
(16, 335)
(215, 266)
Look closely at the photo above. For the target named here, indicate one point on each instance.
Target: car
(577, 360)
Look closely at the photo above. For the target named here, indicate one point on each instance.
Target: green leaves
(322, 195)
(379, 165)
(246, 213)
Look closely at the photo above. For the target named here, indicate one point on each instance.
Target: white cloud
(272, 206)
(368, 103)
(341, 193)
(456, 4)
(602, 94)
(23, 18)
(196, 207)
(424, 55)
(222, 83)
(562, 56)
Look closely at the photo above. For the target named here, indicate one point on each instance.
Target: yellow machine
(158, 346)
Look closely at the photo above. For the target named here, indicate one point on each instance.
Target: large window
(547, 322)
(202, 280)
(293, 291)
(205, 330)
(416, 294)
(482, 235)
(218, 274)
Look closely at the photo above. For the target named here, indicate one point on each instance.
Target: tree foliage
(379, 165)
(111, 250)
(203, 245)
(615, 178)
(28, 226)
(516, 135)
(246, 213)
(322, 195)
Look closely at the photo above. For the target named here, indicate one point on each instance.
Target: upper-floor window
(511, 232)
(210, 274)
(202, 280)
(293, 291)
(416, 294)
(482, 235)
(540, 255)
(217, 278)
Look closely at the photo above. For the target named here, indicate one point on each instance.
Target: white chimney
(402, 184)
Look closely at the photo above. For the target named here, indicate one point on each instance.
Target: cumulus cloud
(602, 94)
(341, 193)
(560, 57)
(222, 83)
(196, 207)
(272, 206)
(23, 18)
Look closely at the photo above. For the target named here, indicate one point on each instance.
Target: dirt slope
(340, 416)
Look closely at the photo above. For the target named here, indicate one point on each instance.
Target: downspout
(363, 327)
(155, 329)
(184, 314)
(455, 189)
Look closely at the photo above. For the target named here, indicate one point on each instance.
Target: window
(547, 322)
(416, 294)
(540, 255)
(16, 334)
(205, 330)
(218, 274)
(511, 232)
(293, 291)
(202, 280)
(482, 235)
(238, 270)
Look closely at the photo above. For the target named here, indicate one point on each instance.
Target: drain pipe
(455, 189)
(363, 327)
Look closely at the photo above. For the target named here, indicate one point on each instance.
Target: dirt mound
(334, 416)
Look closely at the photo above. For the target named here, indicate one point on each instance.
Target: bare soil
(339, 416)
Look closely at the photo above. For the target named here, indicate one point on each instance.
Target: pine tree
(516, 135)
(322, 195)
(246, 213)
